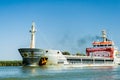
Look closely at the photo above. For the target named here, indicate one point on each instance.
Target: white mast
(32, 31)
(104, 35)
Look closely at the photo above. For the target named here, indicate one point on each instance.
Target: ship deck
(88, 59)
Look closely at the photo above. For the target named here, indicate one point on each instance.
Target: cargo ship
(102, 53)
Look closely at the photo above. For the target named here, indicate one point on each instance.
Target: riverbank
(10, 63)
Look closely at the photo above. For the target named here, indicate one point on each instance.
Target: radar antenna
(104, 35)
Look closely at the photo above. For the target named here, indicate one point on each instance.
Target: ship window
(58, 52)
(94, 45)
(110, 45)
(101, 45)
(105, 45)
(46, 51)
(99, 61)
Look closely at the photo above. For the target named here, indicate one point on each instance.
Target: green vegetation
(10, 63)
(65, 53)
(80, 54)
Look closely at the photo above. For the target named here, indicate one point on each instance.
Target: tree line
(10, 63)
(68, 53)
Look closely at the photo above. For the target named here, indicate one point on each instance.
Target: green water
(55, 73)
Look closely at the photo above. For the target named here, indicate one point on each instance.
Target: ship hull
(39, 57)
(88, 65)
(31, 57)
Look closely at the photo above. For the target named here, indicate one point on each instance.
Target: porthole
(58, 52)
(25, 55)
(47, 51)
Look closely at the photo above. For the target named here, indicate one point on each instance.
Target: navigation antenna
(104, 35)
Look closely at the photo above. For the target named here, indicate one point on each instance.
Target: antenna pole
(104, 35)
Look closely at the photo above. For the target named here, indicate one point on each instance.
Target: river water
(57, 73)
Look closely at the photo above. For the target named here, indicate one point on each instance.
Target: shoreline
(11, 63)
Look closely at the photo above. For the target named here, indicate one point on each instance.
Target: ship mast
(104, 35)
(32, 31)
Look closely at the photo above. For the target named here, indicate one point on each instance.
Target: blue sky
(66, 25)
